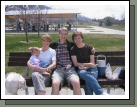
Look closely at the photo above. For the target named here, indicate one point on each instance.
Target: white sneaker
(104, 93)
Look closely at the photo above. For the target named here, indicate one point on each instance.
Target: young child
(34, 60)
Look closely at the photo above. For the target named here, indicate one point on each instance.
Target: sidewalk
(97, 30)
(100, 30)
(67, 91)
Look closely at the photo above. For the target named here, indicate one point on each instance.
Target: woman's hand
(93, 50)
(82, 67)
(89, 65)
(93, 65)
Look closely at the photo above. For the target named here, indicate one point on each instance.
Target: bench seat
(101, 80)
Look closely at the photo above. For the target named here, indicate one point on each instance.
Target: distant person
(44, 27)
(19, 26)
(28, 27)
(53, 25)
(58, 26)
(47, 26)
(69, 27)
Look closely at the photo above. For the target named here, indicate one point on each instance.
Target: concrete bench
(116, 58)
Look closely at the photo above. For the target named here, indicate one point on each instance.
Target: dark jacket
(69, 45)
(55, 44)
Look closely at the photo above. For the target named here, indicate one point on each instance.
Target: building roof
(43, 13)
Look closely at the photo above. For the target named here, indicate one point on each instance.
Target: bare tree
(38, 14)
(8, 7)
(20, 12)
(28, 15)
(26, 24)
(23, 10)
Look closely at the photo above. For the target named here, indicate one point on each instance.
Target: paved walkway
(101, 30)
(67, 91)
(97, 30)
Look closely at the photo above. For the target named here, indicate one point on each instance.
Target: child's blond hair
(32, 49)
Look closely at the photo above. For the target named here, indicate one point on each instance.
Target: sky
(96, 11)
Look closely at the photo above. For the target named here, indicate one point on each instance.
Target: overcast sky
(96, 11)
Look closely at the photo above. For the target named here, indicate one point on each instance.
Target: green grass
(83, 26)
(119, 27)
(101, 42)
(89, 29)
(116, 27)
(96, 31)
(93, 30)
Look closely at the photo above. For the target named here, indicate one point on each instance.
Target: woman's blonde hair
(46, 36)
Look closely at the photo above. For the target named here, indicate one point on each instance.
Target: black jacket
(69, 45)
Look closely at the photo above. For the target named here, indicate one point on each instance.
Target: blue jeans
(43, 64)
(91, 83)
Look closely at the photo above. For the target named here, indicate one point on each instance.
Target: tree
(123, 18)
(28, 14)
(39, 11)
(7, 7)
(22, 15)
(108, 22)
(38, 16)
(100, 23)
(26, 24)
(23, 11)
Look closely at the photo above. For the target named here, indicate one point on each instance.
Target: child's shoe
(45, 74)
(48, 70)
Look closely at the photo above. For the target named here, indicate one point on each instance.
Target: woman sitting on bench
(83, 60)
(49, 55)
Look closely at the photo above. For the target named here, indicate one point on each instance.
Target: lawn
(101, 42)
(118, 27)
(84, 26)
(115, 27)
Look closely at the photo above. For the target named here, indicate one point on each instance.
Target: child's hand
(39, 69)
